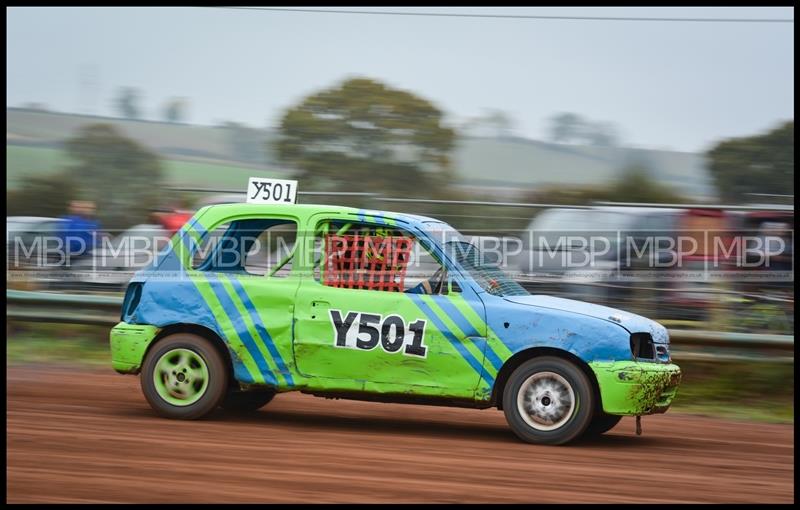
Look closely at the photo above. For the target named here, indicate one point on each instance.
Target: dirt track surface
(77, 436)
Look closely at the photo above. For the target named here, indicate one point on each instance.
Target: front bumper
(128, 344)
(634, 388)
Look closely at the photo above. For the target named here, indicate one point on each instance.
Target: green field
(23, 160)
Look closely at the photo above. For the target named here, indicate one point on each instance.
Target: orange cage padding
(366, 261)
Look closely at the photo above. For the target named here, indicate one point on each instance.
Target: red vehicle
(172, 219)
(708, 236)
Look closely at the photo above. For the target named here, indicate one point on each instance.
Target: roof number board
(271, 191)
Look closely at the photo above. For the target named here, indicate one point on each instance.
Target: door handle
(320, 304)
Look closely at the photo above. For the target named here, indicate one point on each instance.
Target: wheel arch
(521, 357)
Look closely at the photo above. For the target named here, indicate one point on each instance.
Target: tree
(565, 127)
(755, 164)
(41, 195)
(635, 184)
(602, 134)
(121, 176)
(175, 110)
(365, 136)
(127, 103)
(496, 123)
(571, 128)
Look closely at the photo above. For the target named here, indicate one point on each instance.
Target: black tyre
(601, 423)
(548, 400)
(184, 377)
(247, 401)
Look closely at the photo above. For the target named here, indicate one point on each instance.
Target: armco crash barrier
(64, 308)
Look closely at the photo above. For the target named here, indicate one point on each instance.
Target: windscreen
(469, 256)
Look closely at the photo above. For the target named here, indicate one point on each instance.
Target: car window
(208, 245)
(275, 245)
(256, 246)
(375, 257)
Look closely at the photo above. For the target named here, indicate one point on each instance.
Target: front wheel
(548, 400)
(184, 377)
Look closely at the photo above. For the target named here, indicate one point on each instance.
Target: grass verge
(753, 390)
(58, 344)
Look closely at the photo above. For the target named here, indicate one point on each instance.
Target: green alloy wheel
(181, 377)
(184, 377)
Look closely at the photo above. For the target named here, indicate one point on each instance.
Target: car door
(252, 297)
(390, 340)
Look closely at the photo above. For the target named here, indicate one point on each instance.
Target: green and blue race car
(378, 306)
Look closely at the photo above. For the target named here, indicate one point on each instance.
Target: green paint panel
(402, 389)
(128, 345)
(633, 388)
(317, 355)
(251, 329)
(474, 345)
(228, 333)
(272, 301)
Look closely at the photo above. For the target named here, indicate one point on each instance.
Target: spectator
(79, 229)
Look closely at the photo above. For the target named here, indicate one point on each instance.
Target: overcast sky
(677, 85)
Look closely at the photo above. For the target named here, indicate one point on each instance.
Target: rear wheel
(601, 424)
(548, 400)
(184, 377)
(247, 401)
